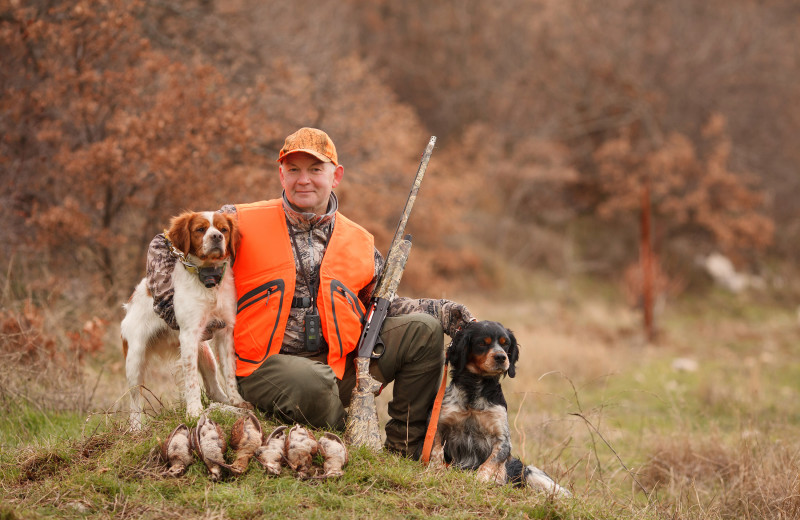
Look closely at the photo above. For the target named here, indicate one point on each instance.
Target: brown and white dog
(203, 243)
(473, 431)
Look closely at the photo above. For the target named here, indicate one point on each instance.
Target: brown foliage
(23, 337)
(634, 80)
(38, 367)
(116, 133)
(691, 193)
(107, 135)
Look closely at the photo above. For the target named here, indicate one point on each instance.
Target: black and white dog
(473, 431)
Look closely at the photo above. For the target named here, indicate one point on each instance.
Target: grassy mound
(108, 471)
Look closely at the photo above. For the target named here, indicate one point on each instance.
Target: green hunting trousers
(305, 390)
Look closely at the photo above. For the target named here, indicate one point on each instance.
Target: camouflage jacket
(311, 233)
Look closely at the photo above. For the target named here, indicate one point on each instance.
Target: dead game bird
(177, 451)
(209, 443)
(333, 450)
(272, 452)
(246, 438)
(301, 446)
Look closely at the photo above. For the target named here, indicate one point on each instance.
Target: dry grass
(752, 478)
(40, 369)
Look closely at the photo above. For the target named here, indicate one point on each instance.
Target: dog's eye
(200, 230)
(223, 230)
(487, 340)
(502, 340)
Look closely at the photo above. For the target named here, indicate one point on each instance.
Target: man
(302, 267)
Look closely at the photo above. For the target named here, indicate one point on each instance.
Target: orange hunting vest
(264, 273)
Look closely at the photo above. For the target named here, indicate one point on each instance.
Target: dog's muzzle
(500, 360)
(214, 244)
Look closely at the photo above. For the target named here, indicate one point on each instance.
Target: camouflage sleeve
(453, 316)
(366, 293)
(160, 264)
(228, 208)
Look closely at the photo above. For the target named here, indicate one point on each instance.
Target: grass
(23, 425)
(115, 473)
(634, 434)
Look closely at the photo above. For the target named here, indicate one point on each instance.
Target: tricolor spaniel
(473, 431)
(203, 244)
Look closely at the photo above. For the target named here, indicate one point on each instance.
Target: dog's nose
(216, 237)
(500, 358)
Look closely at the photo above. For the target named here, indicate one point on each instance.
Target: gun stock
(362, 419)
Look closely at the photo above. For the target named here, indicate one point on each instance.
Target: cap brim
(309, 152)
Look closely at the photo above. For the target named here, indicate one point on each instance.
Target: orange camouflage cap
(311, 141)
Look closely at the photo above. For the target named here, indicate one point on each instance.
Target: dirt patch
(41, 467)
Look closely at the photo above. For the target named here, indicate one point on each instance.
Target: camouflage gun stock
(362, 419)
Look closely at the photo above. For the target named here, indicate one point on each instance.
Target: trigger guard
(378, 349)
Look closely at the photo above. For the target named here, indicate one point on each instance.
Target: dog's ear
(513, 355)
(233, 225)
(458, 350)
(179, 233)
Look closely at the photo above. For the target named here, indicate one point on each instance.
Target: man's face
(308, 181)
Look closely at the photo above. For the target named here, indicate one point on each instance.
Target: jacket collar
(304, 221)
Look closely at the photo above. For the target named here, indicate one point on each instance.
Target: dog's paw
(244, 405)
(194, 410)
(538, 479)
(437, 458)
(226, 408)
(490, 472)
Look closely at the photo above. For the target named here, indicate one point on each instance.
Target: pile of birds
(293, 447)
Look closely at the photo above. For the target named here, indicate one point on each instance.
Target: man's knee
(429, 334)
(426, 324)
(414, 341)
(295, 390)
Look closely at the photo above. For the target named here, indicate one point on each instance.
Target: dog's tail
(533, 477)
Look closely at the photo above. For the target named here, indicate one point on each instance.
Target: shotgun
(361, 428)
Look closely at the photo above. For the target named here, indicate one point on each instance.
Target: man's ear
(338, 174)
(280, 175)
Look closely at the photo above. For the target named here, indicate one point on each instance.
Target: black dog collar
(211, 276)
